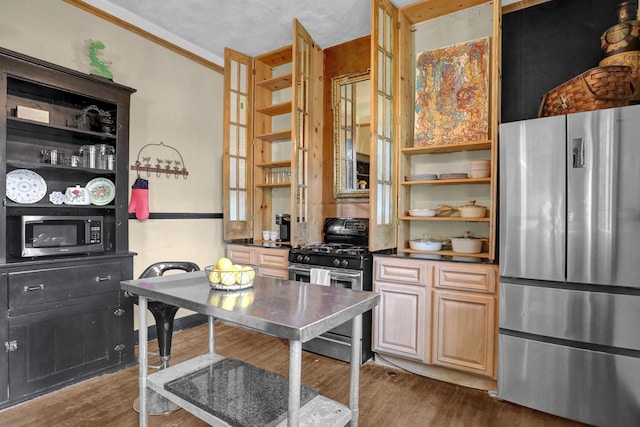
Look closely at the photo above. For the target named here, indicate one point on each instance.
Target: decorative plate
(102, 191)
(421, 177)
(25, 186)
(453, 176)
(57, 198)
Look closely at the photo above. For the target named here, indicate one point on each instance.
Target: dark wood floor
(388, 396)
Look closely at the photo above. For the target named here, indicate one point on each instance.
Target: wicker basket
(600, 87)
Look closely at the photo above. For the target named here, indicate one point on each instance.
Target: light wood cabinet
(424, 27)
(272, 262)
(272, 139)
(401, 320)
(464, 331)
(400, 325)
(437, 313)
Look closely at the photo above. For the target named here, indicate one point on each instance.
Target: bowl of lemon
(227, 276)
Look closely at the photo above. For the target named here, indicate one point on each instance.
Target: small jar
(88, 154)
(101, 156)
(111, 161)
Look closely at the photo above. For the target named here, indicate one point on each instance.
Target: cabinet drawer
(241, 254)
(276, 258)
(467, 277)
(273, 272)
(416, 272)
(62, 283)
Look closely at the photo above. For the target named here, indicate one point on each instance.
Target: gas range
(344, 246)
(341, 260)
(331, 255)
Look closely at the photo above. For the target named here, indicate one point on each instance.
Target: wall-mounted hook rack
(162, 165)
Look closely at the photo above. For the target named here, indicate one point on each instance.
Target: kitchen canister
(88, 155)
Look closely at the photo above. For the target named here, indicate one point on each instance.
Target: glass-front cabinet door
(383, 125)
(270, 109)
(238, 159)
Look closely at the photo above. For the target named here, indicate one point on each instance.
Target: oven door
(339, 278)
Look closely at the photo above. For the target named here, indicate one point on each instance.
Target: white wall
(178, 102)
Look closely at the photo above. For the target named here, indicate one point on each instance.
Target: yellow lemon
(214, 277)
(237, 267)
(242, 278)
(224, 264)
(228, 278)
(248, 270)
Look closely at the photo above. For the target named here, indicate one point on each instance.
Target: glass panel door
(237, 176)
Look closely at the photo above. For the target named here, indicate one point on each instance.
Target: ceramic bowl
(423, 212)
(425, 245)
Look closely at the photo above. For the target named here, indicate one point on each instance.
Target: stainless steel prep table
(286, 309)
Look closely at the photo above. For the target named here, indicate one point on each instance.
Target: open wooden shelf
(448, 181)
(443, 218)
(277, 57)
(276, 83)
(281, 135)
(275, 185)
(277, 164)
(275, 109)
(448, 148)
(445, 252)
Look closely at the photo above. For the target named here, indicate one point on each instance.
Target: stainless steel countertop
(283, 308)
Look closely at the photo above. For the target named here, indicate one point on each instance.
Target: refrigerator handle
(578, 153)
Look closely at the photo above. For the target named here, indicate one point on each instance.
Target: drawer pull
(103, 278)
(39, 287)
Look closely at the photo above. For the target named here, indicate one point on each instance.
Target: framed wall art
(452, 94)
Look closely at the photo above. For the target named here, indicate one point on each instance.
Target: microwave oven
(37, 235)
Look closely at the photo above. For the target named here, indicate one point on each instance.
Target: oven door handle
(341, 274)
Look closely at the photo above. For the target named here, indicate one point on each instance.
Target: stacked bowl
(479, 168)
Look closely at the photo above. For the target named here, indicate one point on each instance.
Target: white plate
(423, 212)
(25, 186)
(101, 190)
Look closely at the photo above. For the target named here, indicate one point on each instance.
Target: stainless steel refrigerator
(569, 338)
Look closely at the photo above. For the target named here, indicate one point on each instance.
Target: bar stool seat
(164, 315)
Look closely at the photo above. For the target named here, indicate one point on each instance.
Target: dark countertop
(259, 244)
(435, 257)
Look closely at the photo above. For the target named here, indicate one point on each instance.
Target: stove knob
(299, 258)
(336, 262)
(307, 258)
(345, 263)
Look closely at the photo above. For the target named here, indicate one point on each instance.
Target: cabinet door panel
(238, 157)
(58, 345)
(4, 333)
(464, 332)
(400, 321)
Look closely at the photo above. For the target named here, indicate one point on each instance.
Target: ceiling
(205, 27)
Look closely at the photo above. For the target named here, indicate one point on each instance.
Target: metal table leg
(212, 335)
(142, 359)
(354, 381)
(295, 378)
